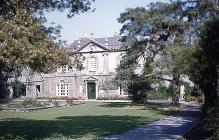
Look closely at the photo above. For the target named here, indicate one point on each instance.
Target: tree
(149, 34)
(8, 8)
(199, 58)
(202, 61)
(164, 30)
(26, 42)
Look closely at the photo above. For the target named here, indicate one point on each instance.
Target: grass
(86, 121)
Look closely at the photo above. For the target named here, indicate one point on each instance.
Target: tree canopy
(202, 61)
(26, 42)
(8, 8)
(159, 33)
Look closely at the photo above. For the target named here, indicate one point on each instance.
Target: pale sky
(102, 22)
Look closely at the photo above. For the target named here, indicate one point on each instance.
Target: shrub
(19, 89)
(109, 85)
(193, 93)
(191, 98)
(31, 103)
(160, 92)
(56, 103)
(70, 101)
(50, 100)
(137, 88)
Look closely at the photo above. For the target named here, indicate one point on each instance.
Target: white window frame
(60, 91)
(92, 66)
(63, 69)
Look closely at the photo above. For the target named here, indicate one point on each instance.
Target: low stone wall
(30, 109)
(25, 109)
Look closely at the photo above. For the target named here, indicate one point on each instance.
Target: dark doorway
(37, 90)
(91, 90)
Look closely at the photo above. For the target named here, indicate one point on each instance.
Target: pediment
(92, 47)
(91, 78)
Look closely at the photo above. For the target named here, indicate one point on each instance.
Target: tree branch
(159, 78)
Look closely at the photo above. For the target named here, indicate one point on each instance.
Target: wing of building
(101, 57)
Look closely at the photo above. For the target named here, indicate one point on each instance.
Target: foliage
(19, 89)
(109, 85)
(137, 88)
(37, 7)
(213, 122)
(49, 100)
(70, 101)
(196, 99)
(159, 34)
(202, 61)
(193, 93)
(25, 41)
(200, 57)
(188, 88)
(31, 103)
(147, 34)
(159, 92)
(56, 103)
(27, 44)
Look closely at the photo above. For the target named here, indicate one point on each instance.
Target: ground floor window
(62, 88)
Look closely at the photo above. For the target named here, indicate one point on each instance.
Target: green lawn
(89, 120)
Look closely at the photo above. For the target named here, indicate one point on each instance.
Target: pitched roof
(93, 42)
(110, 43)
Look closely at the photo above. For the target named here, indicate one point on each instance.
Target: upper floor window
(92, 64)
(64, 69)
(62, 88)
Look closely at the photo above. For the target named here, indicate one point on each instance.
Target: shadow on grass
(156, 108)
(116, 104)
(152, 106)
(131, 104)
(69, 126)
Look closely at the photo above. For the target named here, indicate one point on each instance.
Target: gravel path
(172, 127)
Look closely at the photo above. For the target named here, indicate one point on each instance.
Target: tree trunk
(217, 98)
(210, 96)
(210, 89)
(175, 90)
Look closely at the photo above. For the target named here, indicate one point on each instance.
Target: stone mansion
(102, 55)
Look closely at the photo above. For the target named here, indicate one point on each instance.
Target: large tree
(163, 30)
(25, 41)
(202, 61)
(198, 59)
(8, 8)
(148, 34)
